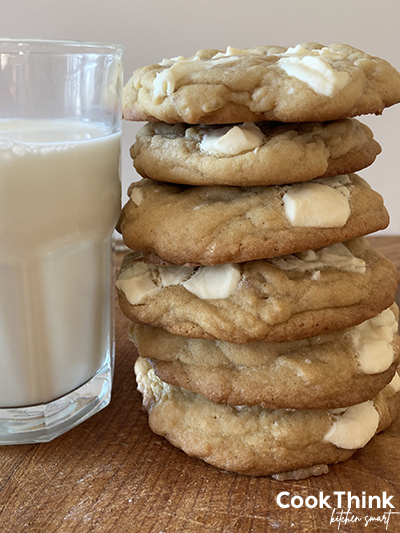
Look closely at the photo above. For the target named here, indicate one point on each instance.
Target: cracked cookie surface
(323, 372)
(288, 153)
(265, 301)
(305, 83)
(222, 224)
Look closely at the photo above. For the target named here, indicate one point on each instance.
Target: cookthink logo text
(344, 506)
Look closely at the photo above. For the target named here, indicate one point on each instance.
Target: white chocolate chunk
(336, 256)
(299, 50)
(316, 204)
(136, 282)
(316, 275)
(173, 275)
(232, 51)
(315, 72)
(395, 383)
(355, 427)
(142, 280)
(165, 81)
(214, 282)
(373, 342)
(341, 183)
(340, 257)
(232, 140)
(171, 61)
(137, 196)
(329, 54)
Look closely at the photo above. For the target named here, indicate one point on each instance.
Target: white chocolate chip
(355, 427)
(316, 204)
(299, 50)
(165, 81)
(136, 282)
(137, 196)
(336, 256)
(310, 67)
(395, 383)
(232, 140)
(214, 282)
(373, 342)
(173, 275)
(231, 51)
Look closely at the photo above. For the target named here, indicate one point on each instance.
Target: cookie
(214, 225)
(287, 298)
(305, 83)
(267, 153)
(337, 369)
(257, 441)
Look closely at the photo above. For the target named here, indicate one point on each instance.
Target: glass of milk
(60, 128)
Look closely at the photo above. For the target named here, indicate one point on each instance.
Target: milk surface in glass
(59, 203)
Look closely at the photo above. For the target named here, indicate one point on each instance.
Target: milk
(59, 203)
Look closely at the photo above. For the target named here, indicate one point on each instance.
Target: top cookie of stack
(309, 82)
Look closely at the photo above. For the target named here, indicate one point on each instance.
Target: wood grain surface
(112, 474)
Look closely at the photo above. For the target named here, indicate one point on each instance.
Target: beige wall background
(153, 29)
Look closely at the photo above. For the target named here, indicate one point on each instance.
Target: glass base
(45, 422)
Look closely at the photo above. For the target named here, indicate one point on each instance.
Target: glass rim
(57, 46)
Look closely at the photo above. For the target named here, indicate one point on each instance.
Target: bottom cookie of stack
(282, 409)
(257, 441)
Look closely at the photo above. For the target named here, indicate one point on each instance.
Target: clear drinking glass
(60, 128)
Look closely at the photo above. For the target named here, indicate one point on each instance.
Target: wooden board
(113, 474)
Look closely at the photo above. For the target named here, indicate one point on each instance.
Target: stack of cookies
(265, 323)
